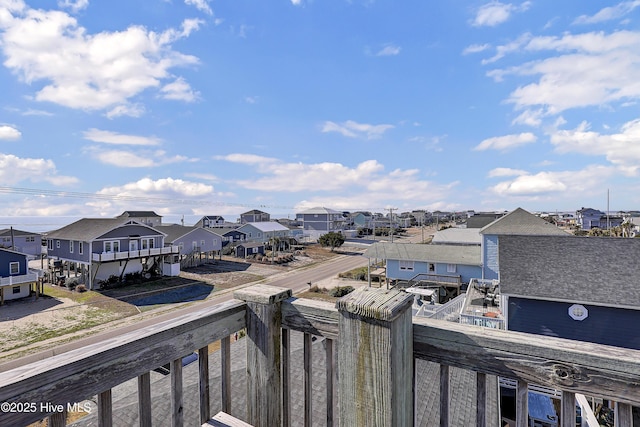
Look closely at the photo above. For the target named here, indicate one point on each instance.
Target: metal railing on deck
(370, 335)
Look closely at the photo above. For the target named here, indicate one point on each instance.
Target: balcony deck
(142, 253)
(286, 383)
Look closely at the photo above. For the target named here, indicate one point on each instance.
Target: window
(215, 241)
(202, 243)
(194, 245)
(16, 290)
(259, 234)
(70, 246)
(14, 268)
(181, 246)
(112, 246)
(451, 268)
(432, 268)
(50, 244)
(255, 250)
(147, 243)
(30, 239)
(406, 265)
(57, 244)
(80, 247)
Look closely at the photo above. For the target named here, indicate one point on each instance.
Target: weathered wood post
(375, 358)
(264, 390)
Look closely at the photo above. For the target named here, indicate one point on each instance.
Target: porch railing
(370, 338)
(116, 256)
(18, 279)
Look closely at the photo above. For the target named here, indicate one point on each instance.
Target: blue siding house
(319, 221)
(104, 247)
(16, 279)
(451, 266)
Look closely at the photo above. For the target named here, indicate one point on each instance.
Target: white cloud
(32, 112)
(506, 142)
(15, 169)
(389, 50)
(87, 71)
(495, 13)
(109, 137)
(161, 188)
(609, 13)
(201, 5)
(503, 50)
(353, 129)
(75, 6)
(364, 185)
(475, 48)
(577, 183)
(251, 99)
(498, 172)
(9, 133)
(136, 159)
(296, 2)
(567, 78)
(179, 90)
(131, 110)
(622, 149)
(247, 159)
(531, 118)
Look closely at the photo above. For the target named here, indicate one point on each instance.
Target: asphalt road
(296, 280)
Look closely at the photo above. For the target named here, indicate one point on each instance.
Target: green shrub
(341, 291)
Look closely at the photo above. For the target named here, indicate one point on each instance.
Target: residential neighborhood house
(262, 232)
(149, 218)
(320, 220)
(254, 215)
(196, 245)
(16, 279)
(24, 242)
(102, 247)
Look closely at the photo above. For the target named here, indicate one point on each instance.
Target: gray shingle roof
(7, 232)
(89, 229)
(465, 236)
(521, 222)
(175, 231)
(129, 214)
(449, 254)
(597, 270)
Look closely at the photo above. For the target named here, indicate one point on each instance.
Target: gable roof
(226, 230)
(265, 227)
(320, 210)
(16, 232)
(253, 212)
(176, 231)
(521, 223)
(138, 214)
(448, 254)
(89, 229)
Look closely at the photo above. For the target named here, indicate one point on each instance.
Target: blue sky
(194, 107)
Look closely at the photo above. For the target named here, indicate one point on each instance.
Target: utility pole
(391, 222)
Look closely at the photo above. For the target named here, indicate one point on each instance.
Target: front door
(133, 245)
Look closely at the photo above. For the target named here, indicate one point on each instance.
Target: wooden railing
(370, 337)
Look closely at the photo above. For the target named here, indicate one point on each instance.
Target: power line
(125, 198)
